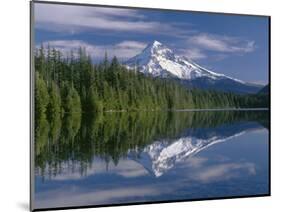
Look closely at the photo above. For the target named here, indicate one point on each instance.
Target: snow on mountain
(161, 156)
(164, 156)
(160, 61)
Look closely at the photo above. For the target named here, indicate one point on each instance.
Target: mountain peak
(156, 47)
(156, 43)
(158, 60)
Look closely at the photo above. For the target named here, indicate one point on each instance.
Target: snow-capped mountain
(161, 156)
(160, 61)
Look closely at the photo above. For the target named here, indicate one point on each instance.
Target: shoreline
(192, 110)
(223, 109)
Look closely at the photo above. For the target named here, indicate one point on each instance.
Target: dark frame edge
(269, 117)
(31, 107)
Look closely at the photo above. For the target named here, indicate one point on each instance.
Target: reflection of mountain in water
(169, 137)
(161, 156)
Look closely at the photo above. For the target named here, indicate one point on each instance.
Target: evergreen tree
(54, 107)
(41, 96)
(74, 85)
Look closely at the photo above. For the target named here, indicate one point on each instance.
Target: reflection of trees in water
(77, 140)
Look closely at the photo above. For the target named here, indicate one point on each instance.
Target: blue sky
(233, 45)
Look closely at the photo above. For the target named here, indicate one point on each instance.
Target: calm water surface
(137, 157)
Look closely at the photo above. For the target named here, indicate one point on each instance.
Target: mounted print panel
(136, 105)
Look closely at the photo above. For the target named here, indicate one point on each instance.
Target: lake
(115, 158)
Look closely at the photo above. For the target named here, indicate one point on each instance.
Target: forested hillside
(74, 84)
(111, 135)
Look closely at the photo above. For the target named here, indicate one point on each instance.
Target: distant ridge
(264, 90)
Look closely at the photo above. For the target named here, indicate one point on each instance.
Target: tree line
(73, 84)
(78, 141)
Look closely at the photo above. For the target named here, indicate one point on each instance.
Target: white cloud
(72, 170)
(205, 173)
(194, 170)
(221, 43)
(76, 196)
(76, 19)
(209, 170)
(67, 18)
(122, 50)
(195, 162)
(73, 19)
(223, 172)
(194, 54)
(131, 44)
